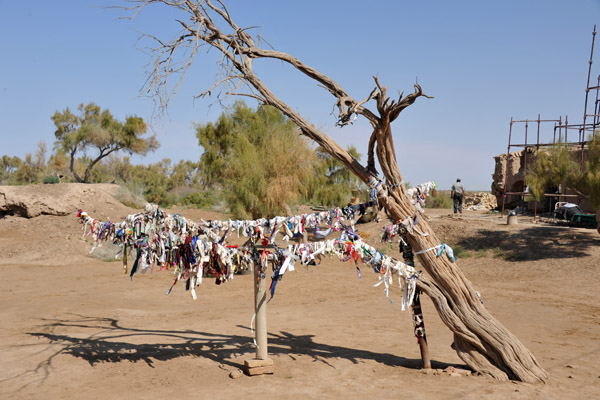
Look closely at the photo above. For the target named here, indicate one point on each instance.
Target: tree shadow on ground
(111, 342)
(530, 244)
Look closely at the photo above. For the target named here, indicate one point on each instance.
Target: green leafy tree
(269, 165)
(560, 165)
(331, 183)
(96, 129)
(184, 174)
(59, 164)
(101, 172)
(217, 141)
(120, 168)
(590, 182)
(237, 157)
(152, 179)
(40, 157)
(27, 172)
(552, 167)
(257, 157)
(8, 168)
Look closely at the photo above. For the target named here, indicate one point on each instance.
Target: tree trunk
(72, 167)
(482, 342)
(88, 170)
(479, 339)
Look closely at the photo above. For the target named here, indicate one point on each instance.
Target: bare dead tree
(480, 340)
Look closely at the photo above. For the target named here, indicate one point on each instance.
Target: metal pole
(525, 163)
(587, 87)
(509, 135)
(506, 166)
(582, 142)
(260, 309)
(596, 109)
(538, 133)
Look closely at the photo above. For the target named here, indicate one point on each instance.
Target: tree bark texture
(481, 341)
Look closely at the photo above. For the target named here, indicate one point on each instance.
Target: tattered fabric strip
(173, 241)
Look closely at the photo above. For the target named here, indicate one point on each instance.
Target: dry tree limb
(481, 341)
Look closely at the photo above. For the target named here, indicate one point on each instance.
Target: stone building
(510, 176)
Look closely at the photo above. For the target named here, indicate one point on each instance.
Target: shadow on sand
(110, 342)
(537, 243)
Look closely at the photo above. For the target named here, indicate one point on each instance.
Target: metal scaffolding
(586, 129)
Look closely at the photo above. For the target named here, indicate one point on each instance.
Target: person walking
(458, 193)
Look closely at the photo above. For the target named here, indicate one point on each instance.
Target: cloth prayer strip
(195, 250)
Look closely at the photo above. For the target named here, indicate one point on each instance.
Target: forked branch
(480, 340)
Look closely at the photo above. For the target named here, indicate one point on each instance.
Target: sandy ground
(73, 326)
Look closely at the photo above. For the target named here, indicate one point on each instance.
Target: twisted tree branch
(480, 340)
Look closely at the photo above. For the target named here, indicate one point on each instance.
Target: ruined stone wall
(511, 166)
(509, 171)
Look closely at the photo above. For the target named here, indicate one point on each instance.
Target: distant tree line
(254, 162)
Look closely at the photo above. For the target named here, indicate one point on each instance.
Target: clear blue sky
(484, 62)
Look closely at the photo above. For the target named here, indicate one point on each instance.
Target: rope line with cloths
(193, 250)
(217, 230)
(293, 226)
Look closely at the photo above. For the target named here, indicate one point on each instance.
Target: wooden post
(124, 258)
(262, 364)
(418, 321)
(419, 325)
(260, 309)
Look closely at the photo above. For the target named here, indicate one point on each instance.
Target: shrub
(198, 199)
(331, 183)
(131, 195)
(51, 179)
(560, 164)
(461, 252)
(439, 200)
(267, 171)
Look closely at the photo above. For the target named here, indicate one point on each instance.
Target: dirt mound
(58, 199)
